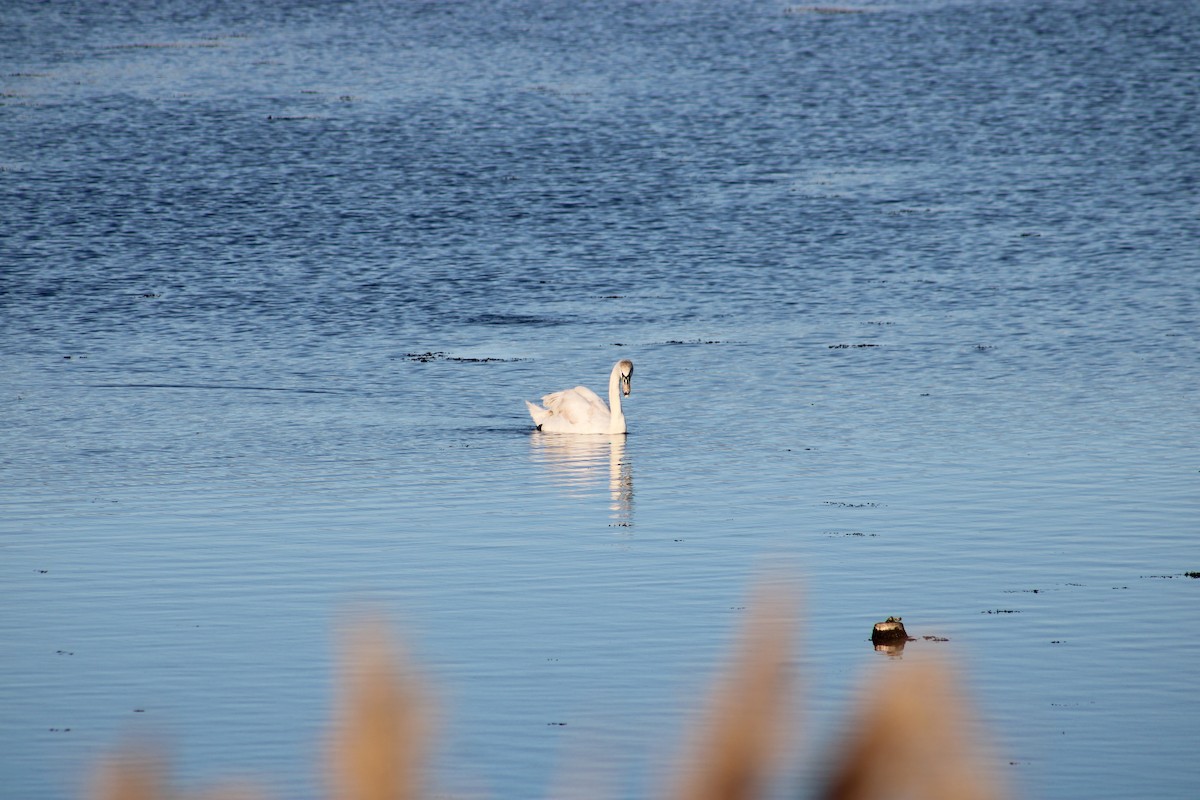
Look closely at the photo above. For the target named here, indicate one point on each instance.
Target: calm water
(912, 294)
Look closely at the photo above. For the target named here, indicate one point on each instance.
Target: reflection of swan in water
(580, 410)
(579, 463)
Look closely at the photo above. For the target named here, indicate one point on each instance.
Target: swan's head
(625, 371)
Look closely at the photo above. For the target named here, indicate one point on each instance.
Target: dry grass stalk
(913, 737)
(136, 775)
(736, 750)
(131, 776)
(379, 743)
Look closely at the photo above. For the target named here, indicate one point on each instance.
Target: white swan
(580, 410)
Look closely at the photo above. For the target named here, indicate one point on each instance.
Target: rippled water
(912, 294)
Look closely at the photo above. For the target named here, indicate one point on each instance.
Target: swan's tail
(538, 413)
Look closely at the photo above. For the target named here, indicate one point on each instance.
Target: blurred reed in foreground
(911, 737)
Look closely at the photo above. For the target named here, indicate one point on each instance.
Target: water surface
(912, 295)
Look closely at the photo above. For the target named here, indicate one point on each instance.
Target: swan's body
(580, 410)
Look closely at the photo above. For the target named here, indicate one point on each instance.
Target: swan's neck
(614, 401)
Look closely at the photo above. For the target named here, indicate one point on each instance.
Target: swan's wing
(577, 406)
(592, 398)
(538, 413)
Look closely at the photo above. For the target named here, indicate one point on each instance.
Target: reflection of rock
(890, 649)
(581, 463)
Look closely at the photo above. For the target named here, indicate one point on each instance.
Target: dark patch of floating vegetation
(683, 341)
(823, 10)
(911, 736)
(840, 504)
(165, 45)
(426, 358)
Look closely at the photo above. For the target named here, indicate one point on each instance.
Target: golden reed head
(912, 735)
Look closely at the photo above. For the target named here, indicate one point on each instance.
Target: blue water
(912, 294)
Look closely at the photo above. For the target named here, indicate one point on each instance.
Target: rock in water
(891, 631)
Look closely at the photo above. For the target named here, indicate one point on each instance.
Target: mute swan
(580, 410)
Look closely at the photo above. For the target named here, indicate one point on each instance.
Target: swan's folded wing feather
(576, 405)
(538, 413)
(592, 399)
